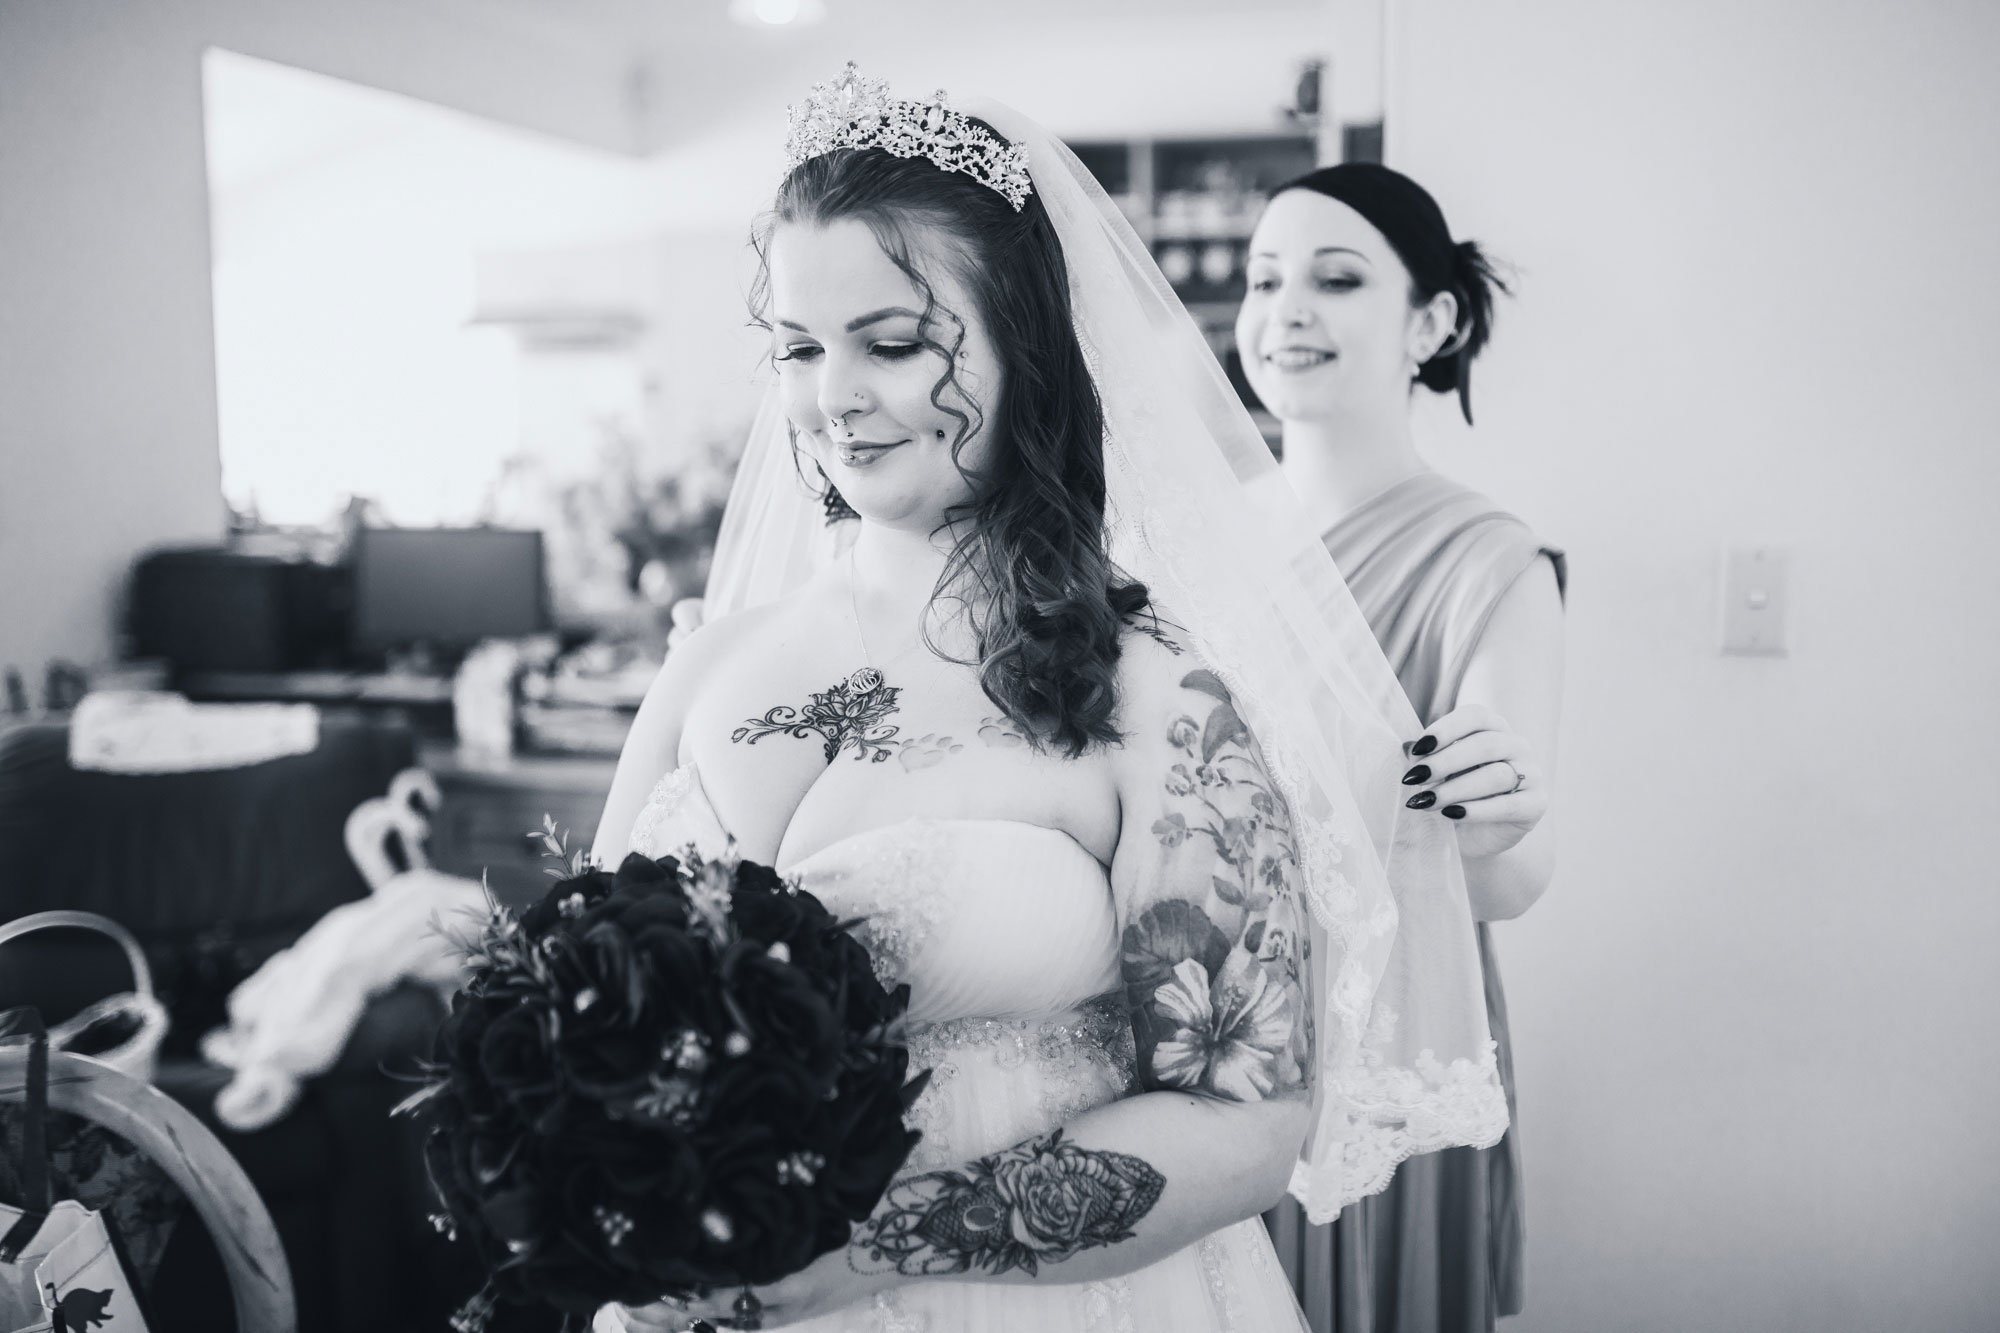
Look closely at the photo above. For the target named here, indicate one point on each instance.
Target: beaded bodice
(1007, 935)
(988, 918)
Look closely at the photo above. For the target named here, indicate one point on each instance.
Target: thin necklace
(853, 714)
(854, 606)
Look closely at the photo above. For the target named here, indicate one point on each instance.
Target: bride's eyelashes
(886, 351)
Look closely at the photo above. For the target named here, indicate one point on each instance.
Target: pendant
(850, 714)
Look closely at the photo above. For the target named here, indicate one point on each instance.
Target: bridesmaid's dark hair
(1046, 600)
(1406, 215)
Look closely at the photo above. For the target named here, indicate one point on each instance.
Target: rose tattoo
(1037, 1203)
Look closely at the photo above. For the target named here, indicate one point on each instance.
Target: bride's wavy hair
(1033, 569)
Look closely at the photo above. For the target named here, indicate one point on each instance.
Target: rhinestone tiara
(856, 112)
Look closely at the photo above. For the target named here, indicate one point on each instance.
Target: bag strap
(36, 1201)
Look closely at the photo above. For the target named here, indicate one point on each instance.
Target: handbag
(58, 1272)
(123, 1030)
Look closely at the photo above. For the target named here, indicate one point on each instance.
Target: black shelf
(1194, 202)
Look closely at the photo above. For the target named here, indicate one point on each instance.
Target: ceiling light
(777, 13)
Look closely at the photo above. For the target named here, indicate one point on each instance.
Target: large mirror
(428, 318)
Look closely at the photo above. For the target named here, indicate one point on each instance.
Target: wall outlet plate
(1756, 601)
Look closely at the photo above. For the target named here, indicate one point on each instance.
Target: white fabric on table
(291, 1019)
(138, 731)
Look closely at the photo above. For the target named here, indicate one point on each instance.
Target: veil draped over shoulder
(1197, 511)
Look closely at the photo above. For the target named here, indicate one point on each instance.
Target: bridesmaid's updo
(1413, 224)
(1046, 601)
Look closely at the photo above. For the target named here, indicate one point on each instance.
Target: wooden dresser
(493, 812)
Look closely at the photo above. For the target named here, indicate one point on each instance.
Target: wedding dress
(1008, 933)
(1008, 937)
(1196, 510)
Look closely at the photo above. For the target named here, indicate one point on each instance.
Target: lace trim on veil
(1406, 1062)
(1375, 1113)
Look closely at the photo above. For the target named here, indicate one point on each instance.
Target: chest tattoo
(850, 715)
(916, 753)
(1000, 733)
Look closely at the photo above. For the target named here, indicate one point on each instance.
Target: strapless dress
(1007, 934)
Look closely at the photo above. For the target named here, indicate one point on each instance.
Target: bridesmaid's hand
(1472, 769)
(687, 614)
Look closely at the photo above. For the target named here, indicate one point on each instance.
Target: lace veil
(1198, 512)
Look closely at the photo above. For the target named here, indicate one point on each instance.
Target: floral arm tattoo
(1212, 948)
(1039, 1202)
(1212, 959)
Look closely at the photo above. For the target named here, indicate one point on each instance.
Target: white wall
(107, 382)
(1756, 1016)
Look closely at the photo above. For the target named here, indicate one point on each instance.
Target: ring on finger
(1520, 778)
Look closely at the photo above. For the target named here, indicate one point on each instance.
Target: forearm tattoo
(1212, 963)
(1040, 1202)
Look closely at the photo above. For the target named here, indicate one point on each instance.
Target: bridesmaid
(1357, 297)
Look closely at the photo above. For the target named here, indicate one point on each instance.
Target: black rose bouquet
(677, 1076)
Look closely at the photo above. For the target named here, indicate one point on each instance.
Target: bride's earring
(831, 502)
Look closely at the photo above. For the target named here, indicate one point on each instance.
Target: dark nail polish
(1423, 800)
(1453, 812)
(1424, 745)
(1418, 774)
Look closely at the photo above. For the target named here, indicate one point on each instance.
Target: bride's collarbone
(797, 754)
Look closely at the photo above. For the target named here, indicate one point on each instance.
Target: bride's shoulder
(1151, 639)
(1155, 663)
(726, 641)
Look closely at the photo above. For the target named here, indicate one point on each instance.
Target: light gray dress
(1439, 1251)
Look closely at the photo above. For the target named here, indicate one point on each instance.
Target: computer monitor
(446, 588)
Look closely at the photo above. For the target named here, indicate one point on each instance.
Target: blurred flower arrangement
(670, 520)
(630, 534)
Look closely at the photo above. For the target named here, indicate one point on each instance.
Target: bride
(1020, 683)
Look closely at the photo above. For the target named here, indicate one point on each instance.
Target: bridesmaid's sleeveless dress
(1439, 1251)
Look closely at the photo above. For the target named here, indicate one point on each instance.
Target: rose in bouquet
(680, 1075)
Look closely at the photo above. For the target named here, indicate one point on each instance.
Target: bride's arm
(1208, 889)
(652, 746)
(1207, 884)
